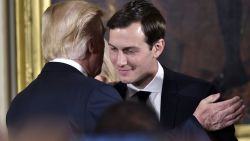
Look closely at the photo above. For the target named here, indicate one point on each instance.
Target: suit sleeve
(100, 100)
(188, 131)
(12, 116)
(226, 134)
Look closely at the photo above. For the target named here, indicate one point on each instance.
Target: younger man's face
(131, 55)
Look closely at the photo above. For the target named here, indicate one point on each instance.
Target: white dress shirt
(71, 63)
(155, 87)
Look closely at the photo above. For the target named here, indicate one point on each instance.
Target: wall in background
(3, 64)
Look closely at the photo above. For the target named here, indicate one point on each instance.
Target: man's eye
(113, 48)
(129, 51)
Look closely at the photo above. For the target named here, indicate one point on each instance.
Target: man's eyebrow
(128, 47)
(111, 45)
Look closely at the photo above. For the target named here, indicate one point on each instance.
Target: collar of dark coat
(59, 67)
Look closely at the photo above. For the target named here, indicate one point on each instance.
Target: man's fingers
(232, 107)
(224, 124)
(227, 103)
(228, 110)
(239, 111)
(219, 114)
(233, 121)
(212, 98)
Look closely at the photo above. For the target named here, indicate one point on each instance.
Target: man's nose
(121, 59)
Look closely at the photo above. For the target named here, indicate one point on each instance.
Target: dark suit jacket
(62, 91)
(181, 95)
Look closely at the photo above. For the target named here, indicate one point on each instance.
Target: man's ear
(91, 48)
(158, 48)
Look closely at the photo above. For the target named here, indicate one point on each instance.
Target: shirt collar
(155, 85)
(71, 63)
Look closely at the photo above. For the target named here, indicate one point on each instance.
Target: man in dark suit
(73, 45)
(136, 40)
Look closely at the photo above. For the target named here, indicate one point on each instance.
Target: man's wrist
(196, 121)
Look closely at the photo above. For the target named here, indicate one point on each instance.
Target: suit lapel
(169, 100)
(122, 89)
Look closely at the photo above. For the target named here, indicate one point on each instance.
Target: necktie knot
(142, 96)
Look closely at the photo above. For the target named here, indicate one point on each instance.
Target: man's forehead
(122, 47)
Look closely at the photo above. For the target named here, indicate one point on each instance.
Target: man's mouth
(123, 71)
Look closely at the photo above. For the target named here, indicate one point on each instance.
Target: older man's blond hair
(67, 28)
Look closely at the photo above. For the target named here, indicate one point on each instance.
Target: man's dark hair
(153, 23)
(128, 117)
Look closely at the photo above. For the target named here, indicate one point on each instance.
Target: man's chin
(126, 81)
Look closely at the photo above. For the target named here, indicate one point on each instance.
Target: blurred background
(205, 39)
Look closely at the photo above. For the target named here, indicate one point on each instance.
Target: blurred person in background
(128, 118)
(2, 135)
(45, 129)
(133, 118)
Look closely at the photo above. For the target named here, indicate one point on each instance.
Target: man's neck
(72, 63)
(145, 82)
